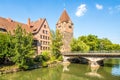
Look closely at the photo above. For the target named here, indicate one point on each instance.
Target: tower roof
(64, 17)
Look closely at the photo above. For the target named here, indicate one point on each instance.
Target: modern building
(65, 26)
(40, 30)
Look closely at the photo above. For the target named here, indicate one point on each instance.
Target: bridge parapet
(92, 57)
(102, 51)
(106, 55)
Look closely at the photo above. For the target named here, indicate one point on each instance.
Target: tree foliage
(93, 43)
(5, 48)
(56, 39)
(77, 45)
(23, 48)
(17, 47)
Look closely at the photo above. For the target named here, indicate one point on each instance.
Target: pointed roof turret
(64, 17)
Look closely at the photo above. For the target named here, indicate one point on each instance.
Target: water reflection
(68, 71)
(116, 70)
(93, 72)
(65, 66)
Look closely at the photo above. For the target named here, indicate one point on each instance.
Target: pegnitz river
(110, 71)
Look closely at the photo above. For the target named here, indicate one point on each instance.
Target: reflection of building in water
(93, 72)
(65, 66)
(116, 70)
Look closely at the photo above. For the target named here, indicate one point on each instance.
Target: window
(46, 32)
(48, 38)
(35, 29)
(41, 36)
(44, 26)
(70, 27)
(43, 31)
(41, 47)
(31, 26)
(59, 26)
(35, 43)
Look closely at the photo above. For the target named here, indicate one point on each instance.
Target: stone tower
(65, 26)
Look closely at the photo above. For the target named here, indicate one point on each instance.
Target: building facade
(40, 30)
(65, 26)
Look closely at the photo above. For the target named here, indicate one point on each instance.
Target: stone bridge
(92, 57)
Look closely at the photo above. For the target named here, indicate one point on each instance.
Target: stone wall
(67, 37)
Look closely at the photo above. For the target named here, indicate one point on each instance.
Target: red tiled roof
(10, 25)
(64, 17)
(36, 26)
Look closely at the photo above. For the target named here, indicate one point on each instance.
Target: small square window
(59, 26)
(44, 26)
(70, 27)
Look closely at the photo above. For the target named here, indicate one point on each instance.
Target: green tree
(105, 44)
(22, 48)
(115, 47)
(78, 45)
(5, 48)
(56, 39)
(94, 43)
(91, 41)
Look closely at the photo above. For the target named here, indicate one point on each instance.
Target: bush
(38, 58)
(45, 55)
(60, 58)
(26, 63)
(44, 63)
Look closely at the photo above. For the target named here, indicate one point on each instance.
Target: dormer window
(31, 26)
(35, 29)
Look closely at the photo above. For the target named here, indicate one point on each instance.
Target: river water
(110, 71)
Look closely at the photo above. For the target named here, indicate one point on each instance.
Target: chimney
(28, 22)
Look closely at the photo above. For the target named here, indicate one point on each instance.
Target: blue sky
(98, 17)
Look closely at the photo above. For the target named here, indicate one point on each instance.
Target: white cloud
(99, 7)
(81, 10)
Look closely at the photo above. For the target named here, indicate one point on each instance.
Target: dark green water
(110, 71)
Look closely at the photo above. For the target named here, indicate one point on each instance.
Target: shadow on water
(111, 62)
(109, 65)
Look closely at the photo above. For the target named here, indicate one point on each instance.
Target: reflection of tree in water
(37, 74)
